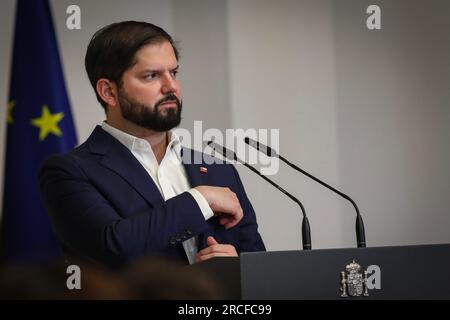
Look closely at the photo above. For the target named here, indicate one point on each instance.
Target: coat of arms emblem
(353, 282)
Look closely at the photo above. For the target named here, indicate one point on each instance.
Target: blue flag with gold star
(39, 124)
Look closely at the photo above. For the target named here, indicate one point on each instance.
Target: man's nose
(169, 85)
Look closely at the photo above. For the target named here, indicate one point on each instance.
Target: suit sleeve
(88, 224)
(249, 237)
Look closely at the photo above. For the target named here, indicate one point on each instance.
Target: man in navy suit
(131, 189)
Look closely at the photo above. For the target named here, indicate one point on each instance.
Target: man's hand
(224, 203)
(215, 249)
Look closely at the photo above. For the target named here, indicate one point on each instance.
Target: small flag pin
(203, 169)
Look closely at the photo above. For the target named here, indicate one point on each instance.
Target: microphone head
(226, 153)
(268, 151)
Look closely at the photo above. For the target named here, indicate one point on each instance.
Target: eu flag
(39, 124)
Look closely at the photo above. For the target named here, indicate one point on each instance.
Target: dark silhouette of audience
(149, 278)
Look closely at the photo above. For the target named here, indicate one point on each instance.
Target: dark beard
(150, 118)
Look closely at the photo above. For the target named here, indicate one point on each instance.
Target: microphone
(231, 155)
(270, 152)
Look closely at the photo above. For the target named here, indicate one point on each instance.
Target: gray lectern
(400, 272)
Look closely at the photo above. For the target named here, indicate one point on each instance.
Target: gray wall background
(367, 111)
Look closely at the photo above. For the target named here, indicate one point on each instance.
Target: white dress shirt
(169, 176)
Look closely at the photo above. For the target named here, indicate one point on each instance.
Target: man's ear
(107, 90)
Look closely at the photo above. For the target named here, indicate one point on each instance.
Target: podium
(397, 272)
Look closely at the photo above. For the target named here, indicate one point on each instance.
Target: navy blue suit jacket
(103, 205)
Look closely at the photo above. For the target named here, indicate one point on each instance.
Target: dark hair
(112, 50)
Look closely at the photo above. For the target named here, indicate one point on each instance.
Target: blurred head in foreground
(149, 278)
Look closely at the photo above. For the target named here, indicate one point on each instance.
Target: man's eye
(174, 73)
(150, 76)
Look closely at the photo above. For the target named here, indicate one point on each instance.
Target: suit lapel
(196, 170)
(119, 159)
(198, 174)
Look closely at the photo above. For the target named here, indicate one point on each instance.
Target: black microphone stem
(360, 234)
(306, 230)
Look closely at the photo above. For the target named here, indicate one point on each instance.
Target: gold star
(9, 118)
(48, 123)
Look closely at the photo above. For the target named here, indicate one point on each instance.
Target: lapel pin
(203, 170)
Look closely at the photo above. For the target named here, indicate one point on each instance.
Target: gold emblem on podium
(353, 281)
